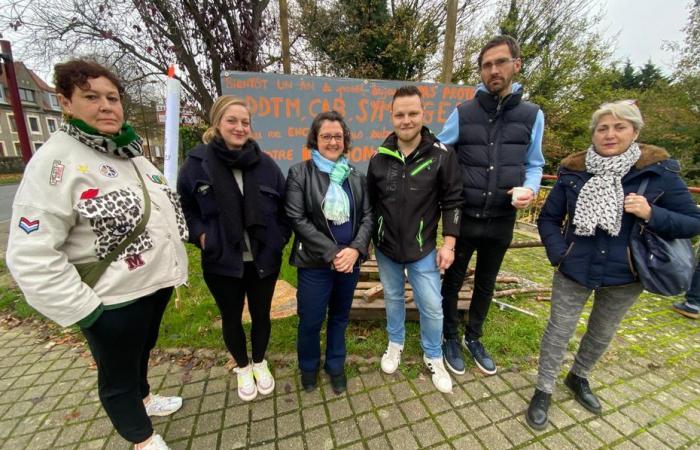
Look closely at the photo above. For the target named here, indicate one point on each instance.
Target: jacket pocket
(566, 253)
(206, 198)
(270, 200)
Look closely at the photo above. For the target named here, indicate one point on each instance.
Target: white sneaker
(157, 443)
(392, 357)
(247, 390)
(263, 377)
(441, 378)
(163, 406)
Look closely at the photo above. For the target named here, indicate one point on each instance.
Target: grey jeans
(568, 299)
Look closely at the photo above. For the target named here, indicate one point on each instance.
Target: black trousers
(120, 341)
(490, 239)
(230, 294)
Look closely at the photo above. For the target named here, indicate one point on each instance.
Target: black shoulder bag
(664, 266)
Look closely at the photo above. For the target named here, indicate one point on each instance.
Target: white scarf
(601, 200)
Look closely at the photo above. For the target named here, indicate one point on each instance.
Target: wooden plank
(371, 294)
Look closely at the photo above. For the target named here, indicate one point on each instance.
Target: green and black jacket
(408, 193)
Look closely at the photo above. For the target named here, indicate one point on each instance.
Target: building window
(13, 124)
(2, 149)
(54, 101)
(26, 95)
(52, 124)
(37, 146)
(2, 94)
(33, 122)
(18, 148)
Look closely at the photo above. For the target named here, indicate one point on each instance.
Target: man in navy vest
(498, 140)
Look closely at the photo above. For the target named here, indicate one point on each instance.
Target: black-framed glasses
(327, 138)
(499, 64)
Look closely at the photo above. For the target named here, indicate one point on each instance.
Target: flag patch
(28, 226)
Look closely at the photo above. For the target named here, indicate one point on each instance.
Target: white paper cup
(519, 192)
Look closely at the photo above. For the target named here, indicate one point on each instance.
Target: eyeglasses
(499, 63)
(329, 137)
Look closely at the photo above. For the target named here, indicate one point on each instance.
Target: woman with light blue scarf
(328, 206)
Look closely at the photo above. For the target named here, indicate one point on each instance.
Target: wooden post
(450, 36)
(284, 31)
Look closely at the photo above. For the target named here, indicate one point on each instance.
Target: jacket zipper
(419, 236)
(418, 169)
(380, 229)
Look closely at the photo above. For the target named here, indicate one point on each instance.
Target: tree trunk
(450, 36)
(284, 31)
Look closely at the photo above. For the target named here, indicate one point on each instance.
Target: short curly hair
(78, 72)
(330, 116)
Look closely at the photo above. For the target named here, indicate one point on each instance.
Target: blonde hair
(622, 109)
(217, 112)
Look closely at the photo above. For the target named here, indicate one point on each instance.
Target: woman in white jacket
(96, 240)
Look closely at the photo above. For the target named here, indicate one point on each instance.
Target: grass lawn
(10, 178)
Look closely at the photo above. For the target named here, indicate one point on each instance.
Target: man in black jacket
(411, 180)
(498, 141)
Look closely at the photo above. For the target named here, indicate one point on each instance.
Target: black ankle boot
(339, 383)
(536, 415)
(582, 392)
(309, 380)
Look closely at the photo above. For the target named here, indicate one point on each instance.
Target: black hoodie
(408, 193)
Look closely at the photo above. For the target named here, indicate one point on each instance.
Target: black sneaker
(453, 356)
(481, 357)
(309, 380)
(536, 415)
(582, 392)
(339, 383)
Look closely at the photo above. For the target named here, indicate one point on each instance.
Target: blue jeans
(320, 292)
(693, 294)
(424, 277)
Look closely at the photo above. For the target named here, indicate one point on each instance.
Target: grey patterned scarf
(601, 200)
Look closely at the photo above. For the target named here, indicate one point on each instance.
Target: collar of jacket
(390, 146)
(650, 156)
(493, 103)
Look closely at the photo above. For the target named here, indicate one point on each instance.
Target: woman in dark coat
(232, 195)
(585, 226)
(328, 206)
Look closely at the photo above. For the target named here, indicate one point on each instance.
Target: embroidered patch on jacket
(56, 172)
(108, 171)
(112, 217)
(89, 193)
(82, 168)
(134, 262)
(157, 179)
(28, 226)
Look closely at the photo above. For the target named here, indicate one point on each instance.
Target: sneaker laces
(393, 352)
(262, 374)
(245, 378)
(477, 348)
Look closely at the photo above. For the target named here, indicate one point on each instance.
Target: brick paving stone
(516, 432)
(262, 431)
(403, 439)
(514, 402)
(458, 397)
(474, 417)
(21, 442)
(402, 391)
(372, 379)
(575, 410)
(515, 380)
(414, 410)
(192, 390)
(378, 443)
(345, 431)
(98, 428)
(668, 435)
(648, 440)
(627, 445)
(42, 439)
(190, 406)
(381, 397)
(638, 414)
(390, 417)
(71, 434)
(683, 426)
(314, 416)
(451, 424)
(288, 424)
(320, 438)
(427, 433)
(494, 409)
(603, 431)
(263, 408)
(234, 438)
(582, 437)
(311, 398)
(6, 426)
(11, 396)
(669, 400)
(369, 425)
(476, 390)
(436, 402)
(292, 443)
(493, 439)
(467, 441)
(557, 442)
(339, 409)
(17, 409)
(205, 442)
(213, 402)
(422, 384)
(180, 428)
(206, 423)
(236, 415)
(355, 385)
(621, 423)
(361, 403)
(495, 384)
(287, 402)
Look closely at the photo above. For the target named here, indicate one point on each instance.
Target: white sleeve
(49, 282)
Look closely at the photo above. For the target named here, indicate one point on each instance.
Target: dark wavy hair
(503, 39)
(78, 72)
(330, 116)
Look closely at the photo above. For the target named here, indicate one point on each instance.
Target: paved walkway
(48, 400)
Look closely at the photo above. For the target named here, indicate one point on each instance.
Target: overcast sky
(644, 25)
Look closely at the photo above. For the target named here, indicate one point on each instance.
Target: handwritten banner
(283, 107)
